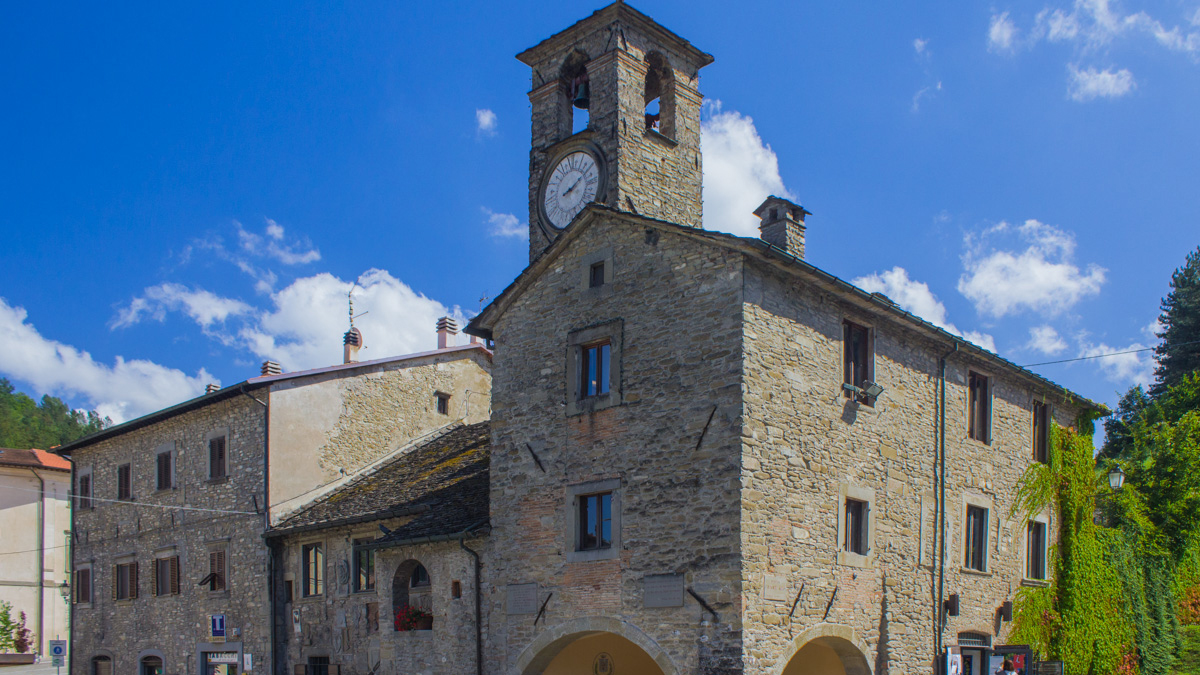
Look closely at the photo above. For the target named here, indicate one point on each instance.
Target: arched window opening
(660, 95)
(574, 76)
(101, 665)
(412, 597)
(152, 665)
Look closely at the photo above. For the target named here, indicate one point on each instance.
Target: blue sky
(189, 191)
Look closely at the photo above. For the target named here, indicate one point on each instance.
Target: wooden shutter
(334, 669)
(216, 566)
(216, 457)
(133, 580)
(299, 669)
(866, 528)
(174, 574)
(154, 577)
(116, 577)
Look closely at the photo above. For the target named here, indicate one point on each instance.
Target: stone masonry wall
(173, 626)
(805, 443)
(677, 303)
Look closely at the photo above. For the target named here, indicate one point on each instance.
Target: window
(443, 404)
(1035, 554)
(216, 457)
(288, 592)
(975, 537)
(856, 354)
(125, 581)
(318, 665)
(151, 665)
(420, 578)
(594, 366)
(84, 494)
(165, 473)
(596, 275)
(854, 539)
(456, 589)
(364, 566)
(313, 561)
(83, 585)
(979, 413)
(216, 578)
(595, 522)
(124, 482)
(101, 665)
(166, 576)
(1041, 432)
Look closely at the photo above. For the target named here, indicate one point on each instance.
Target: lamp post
(1116, 478)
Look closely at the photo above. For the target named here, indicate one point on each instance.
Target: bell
(581, 96)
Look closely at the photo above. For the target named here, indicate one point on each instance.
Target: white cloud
(1042, 277)
(485, 122)
(916, 298)
(1124, 368)
(1088, 84)
(1002, 33)
(504, 224)
(272, 246)
(1154, 329)
(203, 307)
(304, 329)
(919, 45)
(921, 93)
(1046, 340)
(123, 390)
(740, 171)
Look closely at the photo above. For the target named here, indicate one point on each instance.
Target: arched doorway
(594, 646)
(101, 665)
(151, 665)
(412, 597)
(826, 649)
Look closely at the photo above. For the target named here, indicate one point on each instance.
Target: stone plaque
(522, 598)
(663, 590)
(775, 587)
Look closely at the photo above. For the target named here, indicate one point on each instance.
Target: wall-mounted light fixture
(1116, 478)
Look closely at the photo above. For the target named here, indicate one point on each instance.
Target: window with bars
(975, 536)
(83, 585)
(165, 471)
(166, 576)
(595, 522)
(83, 495)
(1035, 550)
(856, 355)
(125, 481)
(856, 538)
(313, 562)
(125, 581)
(216, 457)
(979, 407)
(364, 566)
(1041, 432)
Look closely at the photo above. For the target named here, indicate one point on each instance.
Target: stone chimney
(271, 368)
(212, 388)
(782, 225)
(446, 330)
(352, 341)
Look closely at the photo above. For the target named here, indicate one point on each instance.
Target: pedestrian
(1007, 668)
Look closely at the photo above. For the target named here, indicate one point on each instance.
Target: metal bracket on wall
(830, 605)
(543, 609)
(704, 604)
(705, 429)
(796, 602)
(535, 458)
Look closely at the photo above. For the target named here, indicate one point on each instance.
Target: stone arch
(839, 640)
(551, 642)
(660, 95)
(572, 75)
(101, 663)
(150, 662)
(412, 585)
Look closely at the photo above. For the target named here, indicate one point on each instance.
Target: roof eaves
(276, 533)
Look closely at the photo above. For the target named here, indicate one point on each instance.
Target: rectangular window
(318, 665)
(166, 479)
(364, 566)
(125, 581)
(1041, 432)
(84, 494)
(216, 571)
(83, 585)
(979, 420)
(1035, 556)
(593, 369)
(856, 354)
(595, 522)
(216, 457)
(596, 275)
(124, 482)
(976, 535)
(313, 561)
(858, 514)
(443, 404)
(166, 576)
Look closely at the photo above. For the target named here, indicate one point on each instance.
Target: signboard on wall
(217, 622)
(522, 598)
(663, 590)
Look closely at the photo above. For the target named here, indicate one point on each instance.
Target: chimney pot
(782, 224)
(447, 328)
(271, 368)
(211, 388)
(352, 341)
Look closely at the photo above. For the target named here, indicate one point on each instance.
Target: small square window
(858, 514)
(124, 482)
(313, 563)
(1041, 432)
(594, 368)
(975, 536)
(1035, 550)
(595, 522)
(979, 413)
(443, 404)
(216, 457)
(596, 275)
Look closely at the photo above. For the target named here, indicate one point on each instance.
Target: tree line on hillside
(25, 423)
(1125, 598)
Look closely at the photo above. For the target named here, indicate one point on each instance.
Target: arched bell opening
(577, 89)
(660, 95)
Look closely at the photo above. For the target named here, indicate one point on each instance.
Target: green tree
(1118, 427)
(7, 627)
(1179, 352)
(25, 423)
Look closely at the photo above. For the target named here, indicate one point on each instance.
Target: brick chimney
(271, 368)
(212, 388)
(352, 341)
(446, 330)
(782, 224)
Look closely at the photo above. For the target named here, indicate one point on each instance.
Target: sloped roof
(33, 459)
(443, 481)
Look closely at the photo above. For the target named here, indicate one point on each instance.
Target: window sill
(162, 490)
(592, 404)
(366, 591)
(218, 479)
(593, 554)
(974, 572)
(217, 594)
(83, 605)
(1035, 583)
(661, 138)
(309, 599)
(855, 560)
(124, 602)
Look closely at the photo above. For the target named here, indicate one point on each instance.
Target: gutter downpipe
(941, 533)
(271, 550)
(478, 600)
(41, 578)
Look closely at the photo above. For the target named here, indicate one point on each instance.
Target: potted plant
(412, 618)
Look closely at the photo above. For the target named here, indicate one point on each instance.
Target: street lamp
(1116, 478)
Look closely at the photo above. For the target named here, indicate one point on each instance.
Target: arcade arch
(594, 645)
(826, 649)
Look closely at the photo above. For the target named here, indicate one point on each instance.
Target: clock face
(571, 185)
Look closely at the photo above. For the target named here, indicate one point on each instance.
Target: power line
(32, 550)
(1100, 356)
(133, 503)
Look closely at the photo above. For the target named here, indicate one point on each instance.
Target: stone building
(172, 575)
(35, 556)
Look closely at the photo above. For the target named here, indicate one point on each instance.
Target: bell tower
(638, 84)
